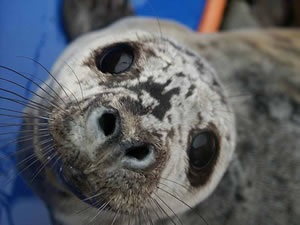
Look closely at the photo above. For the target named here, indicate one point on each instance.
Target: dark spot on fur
(171, 133)
(133, 106)
(215, 82)
(200, 117)
(180, 74)
(164, 103)
(228, 137)
(169, 118)
(239, 197)
(223, 99)
(199, 65)
(190, 91)
(165, 69)
(157, 91)
(249, 183)
(180, 48)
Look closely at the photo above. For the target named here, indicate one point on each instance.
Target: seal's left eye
(115, 59)
(202, 150)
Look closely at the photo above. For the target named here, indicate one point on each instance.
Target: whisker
(226, 111)
(240, 95)
(149, 217)
(229, 97)
(28, 158)
(93, 196)
(32, 81)
(60, 85)
(49, 158)
(99, 211)
(21, 131)
(26, 104)
(95, 204)
(44, 150)
(15, 153)
(129, 220)
(34, 93)
(20, 124)
(157, 19)
(22, 113)
(83, 210)
(139, 217)
(167, 186)
(48, 86)
(27, 148)
(153, 209)
(26, 99)
(135, 219)
(20, 140)
(48, 72)
(115, 217)
(181, 185)
(168, 207)
(32, 156)
(160, 218)
(162, 210)
(183, 203)
(144, 217)
(55, 163)
(76, 78)
(25, 116)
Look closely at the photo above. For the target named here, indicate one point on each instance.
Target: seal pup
(117, 128)
(140, 128)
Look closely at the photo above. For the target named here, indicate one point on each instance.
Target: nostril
(138, 152)
(108, 123)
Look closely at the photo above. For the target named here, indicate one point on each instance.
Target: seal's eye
(115, 59)
(202, 150)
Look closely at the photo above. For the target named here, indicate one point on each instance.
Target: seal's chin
(68, 176)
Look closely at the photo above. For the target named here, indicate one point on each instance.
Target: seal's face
(147, 124)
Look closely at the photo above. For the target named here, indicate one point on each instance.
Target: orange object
(212, 17)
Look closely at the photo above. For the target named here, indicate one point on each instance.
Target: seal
(134, 126)
(116, 125)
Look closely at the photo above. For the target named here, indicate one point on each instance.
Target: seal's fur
(263, 65)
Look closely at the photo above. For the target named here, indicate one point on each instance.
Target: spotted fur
(170, 92)
(166, 94)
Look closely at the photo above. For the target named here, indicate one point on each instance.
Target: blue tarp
(33, 29)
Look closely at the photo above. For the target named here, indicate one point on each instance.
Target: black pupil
(116, 59)
(202, 149)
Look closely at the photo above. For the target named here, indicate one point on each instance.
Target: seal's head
(147, 124)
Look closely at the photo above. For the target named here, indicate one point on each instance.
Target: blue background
(32, 28)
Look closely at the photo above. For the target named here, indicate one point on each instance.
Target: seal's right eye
(115, 59)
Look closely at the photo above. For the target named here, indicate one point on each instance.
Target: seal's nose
(138, 156)
(108, 123)
(103, 124)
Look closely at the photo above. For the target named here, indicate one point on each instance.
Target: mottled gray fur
(260, 72)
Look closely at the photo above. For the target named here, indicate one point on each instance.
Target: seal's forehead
(100, 39)
(157, 60)
(82, 47)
